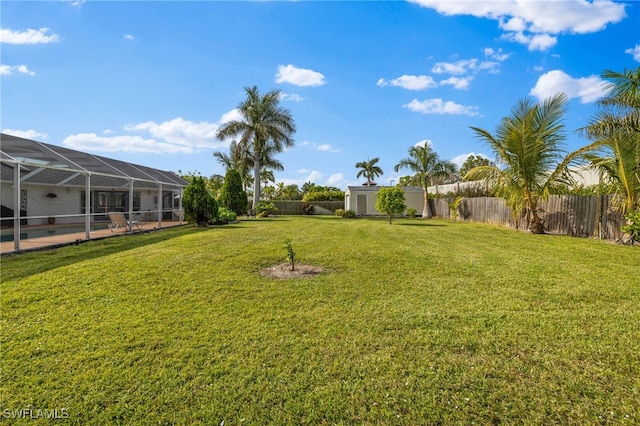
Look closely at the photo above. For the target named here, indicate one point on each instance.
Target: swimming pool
(46, 231)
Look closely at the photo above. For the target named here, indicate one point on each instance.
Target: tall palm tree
(369, 170)
(426, 166)
(528, 146)
(615, 131)
(265, 127)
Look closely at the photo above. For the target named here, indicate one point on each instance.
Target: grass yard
(419, 322)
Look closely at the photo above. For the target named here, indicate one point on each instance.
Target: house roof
(41, 163)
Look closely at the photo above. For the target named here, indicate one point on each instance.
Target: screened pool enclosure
(47, 189)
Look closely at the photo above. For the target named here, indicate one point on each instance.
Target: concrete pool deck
(28, 244)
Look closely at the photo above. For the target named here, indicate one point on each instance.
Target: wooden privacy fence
(319, 207)
(576, 215)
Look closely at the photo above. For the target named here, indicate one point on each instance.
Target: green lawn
(419, 322)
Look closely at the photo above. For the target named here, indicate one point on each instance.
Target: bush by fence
(576, 215)
(301, 207)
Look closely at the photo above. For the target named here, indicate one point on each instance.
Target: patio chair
(118, 220)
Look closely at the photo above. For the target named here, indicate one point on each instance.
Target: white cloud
(29, 36)
(498, 55)
(26, 134)
(298, 76)
(10, 69)
(291, 97)
(91, 142)
(234, 114)
(410, 82)
(635, 52)
(588, 89)
(533, 22)
(336, 179)
(129, 37)
(320, 147)
(438, 106)
(180, 132)
(464, 66)
(457, 82)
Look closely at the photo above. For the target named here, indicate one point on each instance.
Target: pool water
(7, 234)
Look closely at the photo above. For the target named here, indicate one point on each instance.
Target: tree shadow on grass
(21, 265)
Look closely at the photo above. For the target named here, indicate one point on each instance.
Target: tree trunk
(426, 213)
(535, 225)
(256, 180)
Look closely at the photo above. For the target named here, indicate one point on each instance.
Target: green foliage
(390, 200)
(473, 161)
(453, 207)
(340, 212)
(411, 212)
(232, 195)
(529, 146)
(265, 209)
(349, 214)
(633, 225)
(265, 129)
(291, 256)
(369, 170)
(324, 195)
(199, 205)
(226, 216)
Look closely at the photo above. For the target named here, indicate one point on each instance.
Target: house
(362, 199)
(41, 184)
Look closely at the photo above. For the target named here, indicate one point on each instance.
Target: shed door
(361, 203)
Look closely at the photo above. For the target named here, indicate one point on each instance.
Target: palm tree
(369, 170)
(239, 158)
(528, 146)
(426, 166)
(615, 131)
(265, 128)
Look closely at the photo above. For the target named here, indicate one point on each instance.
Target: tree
(265, 128)
(615, 131)
(199, 205)
(369, 170)
(473, 161)
(233, 196)
(390, 200)
(239, 158)
(214, 185)
(426, 166)
(528, 145)
(308, 187)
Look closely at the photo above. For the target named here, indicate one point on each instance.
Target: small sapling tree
(390, 200)
(291, 256)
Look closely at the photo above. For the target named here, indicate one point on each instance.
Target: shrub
(265, 209)
(411, 212)
(199, 205)
(232, 195)
(340, 212)
(327, 195)
(226, 216)
(633, 225)
(349, 214)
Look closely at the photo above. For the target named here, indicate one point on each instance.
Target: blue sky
(151, 82)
